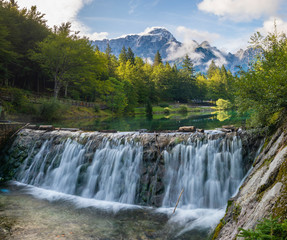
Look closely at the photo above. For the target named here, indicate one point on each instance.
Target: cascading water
(112, 174)
(209, 172)
(110, 167)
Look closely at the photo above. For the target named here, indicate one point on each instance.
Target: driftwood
(177, 201)
(19, 130)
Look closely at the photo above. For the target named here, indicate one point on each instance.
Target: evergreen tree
(123, 55)
(108, 50)
(157, 59)
(131, 56)
(187, 66)
(211, 69)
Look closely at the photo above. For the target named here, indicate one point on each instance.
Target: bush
(164, 105)
(51, 110)
(222, 104)
(183, 109)
(97, 108)
(266, 229)
(167, 110)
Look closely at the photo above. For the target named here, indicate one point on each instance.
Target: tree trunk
(66, 90)
(56, 87)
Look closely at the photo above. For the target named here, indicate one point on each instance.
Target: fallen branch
(19, 130)
(177, 201)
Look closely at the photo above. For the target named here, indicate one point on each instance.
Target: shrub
(164, 105)
(51, 110)
(183, 109)
(222, 104)
(97, 108)
(266, 229)
(167, 110)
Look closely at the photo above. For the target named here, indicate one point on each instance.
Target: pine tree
(108, 50)
(131, 56)
(211, 69)
(123, 55)
(187, 66)
(157, 59)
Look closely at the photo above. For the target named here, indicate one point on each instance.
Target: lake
(203, 120)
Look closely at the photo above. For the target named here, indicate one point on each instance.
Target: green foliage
(236, 211)
(163, 104)
(183, 109)
(97, 108)
(157, 59)
(263, 88)
(167, 110)
(266, 229)
(51, 110)
(148, 109)
(222, 104)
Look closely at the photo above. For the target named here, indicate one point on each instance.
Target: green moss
(236, 212)
(217, 230)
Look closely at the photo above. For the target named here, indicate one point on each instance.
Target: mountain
(145, 45)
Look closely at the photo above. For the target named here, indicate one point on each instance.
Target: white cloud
(240, 10)
(196, 35)
(133, 5)
(268, 26)
(60, 11)
(189, 44)
(174, 51)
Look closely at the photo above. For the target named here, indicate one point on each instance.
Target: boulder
(200, 130)
(187, 129)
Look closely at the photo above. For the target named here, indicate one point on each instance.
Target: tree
(263, 87)
(211, 69)
(187, 66)
(130, 56)
(123, 55)
(157, 59)
(64, 57)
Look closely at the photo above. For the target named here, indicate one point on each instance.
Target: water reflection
(222, 115)
(204, 120)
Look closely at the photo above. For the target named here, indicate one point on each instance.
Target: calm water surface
(204, 120)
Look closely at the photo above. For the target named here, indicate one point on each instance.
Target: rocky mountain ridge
(145, 45)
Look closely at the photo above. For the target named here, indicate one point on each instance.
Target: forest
(58, 63)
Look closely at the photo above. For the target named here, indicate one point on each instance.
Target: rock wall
(264, 192)
(7, 130)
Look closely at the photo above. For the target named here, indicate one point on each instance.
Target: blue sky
(226, 24)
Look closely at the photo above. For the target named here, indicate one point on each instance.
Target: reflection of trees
(222, 115)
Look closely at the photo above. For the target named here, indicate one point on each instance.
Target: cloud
(133, 4)
(268, 26)
(189, 44)
(240, 10)
(59, 11)
(196, 35)
(175, 51)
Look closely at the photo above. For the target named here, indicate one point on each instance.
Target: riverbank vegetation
(39, 62)
(58, 63)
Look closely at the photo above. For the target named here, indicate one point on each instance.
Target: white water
(209, 173)
(113, 174)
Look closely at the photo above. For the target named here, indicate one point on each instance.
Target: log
(187, 129)
(177, 201)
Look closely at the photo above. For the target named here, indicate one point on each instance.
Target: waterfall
(112, 175)
(114, 167)
(208, 171)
